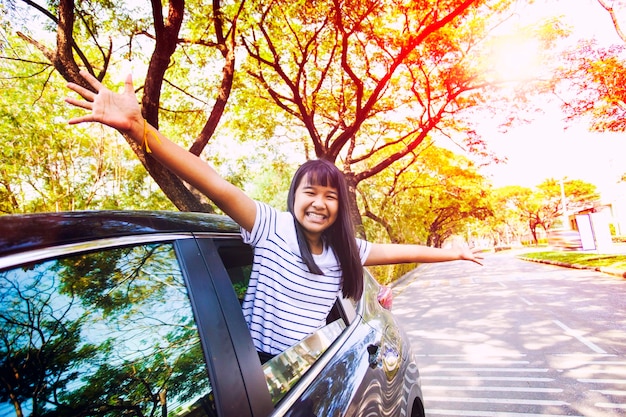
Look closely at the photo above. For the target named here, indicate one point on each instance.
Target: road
(516, 339)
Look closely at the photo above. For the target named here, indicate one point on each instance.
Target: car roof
(23, 232)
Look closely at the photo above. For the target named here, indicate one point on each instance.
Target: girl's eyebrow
(313, 186)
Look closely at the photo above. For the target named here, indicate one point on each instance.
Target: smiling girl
(302, 257)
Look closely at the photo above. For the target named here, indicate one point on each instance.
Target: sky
(545, 148)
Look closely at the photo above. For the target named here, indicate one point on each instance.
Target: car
(138, 313)
(565, 239)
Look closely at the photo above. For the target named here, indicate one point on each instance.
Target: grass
(592, 260)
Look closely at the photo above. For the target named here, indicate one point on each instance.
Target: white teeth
(317, 216)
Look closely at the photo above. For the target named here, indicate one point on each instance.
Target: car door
(390, 385)
(130, 325)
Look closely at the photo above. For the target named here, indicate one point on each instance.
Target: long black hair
(340, 235)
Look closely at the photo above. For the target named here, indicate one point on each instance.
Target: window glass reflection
(286, 369)
(101, 334)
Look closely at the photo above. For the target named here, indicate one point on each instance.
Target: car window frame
(41, 254)
(202, 273)
(242, 346)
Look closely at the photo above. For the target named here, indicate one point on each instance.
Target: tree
(429, 201)
(361, 77)
(47, 166)
(505, 226)
(35, 346)
(565, 196)
(543, 206)
(441, 189)
(368, 81)
(591, 84)
(525, 204)
(609, 7)
(591, 80)
(208, 37)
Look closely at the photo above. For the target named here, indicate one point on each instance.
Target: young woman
(302, 257)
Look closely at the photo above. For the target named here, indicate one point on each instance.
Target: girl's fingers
(86, 94)
(79, 103)
(81, 119)
(128, 84)
(91, 79)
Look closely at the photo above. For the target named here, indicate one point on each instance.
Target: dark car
(138, 314)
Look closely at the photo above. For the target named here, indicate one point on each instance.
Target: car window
(104, 333)
(237, 260)
(285, 370)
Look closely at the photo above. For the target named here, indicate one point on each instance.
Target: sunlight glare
(516, 59)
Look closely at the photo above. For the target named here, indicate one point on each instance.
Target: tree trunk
(16, 405)
(354, 207)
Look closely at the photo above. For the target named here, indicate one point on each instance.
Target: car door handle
(373, 355)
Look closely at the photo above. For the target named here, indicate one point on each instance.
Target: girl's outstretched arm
(388, 254)
(122, 112)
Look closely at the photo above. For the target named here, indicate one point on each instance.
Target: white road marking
(485, 358)
(614, 392)
(427, 388)
(486, 361)
(580, 338)
(610, 405)
(467, 413)
(602, 381)
(520, 401)
(485, 378)
(526, 301)
(525, 370)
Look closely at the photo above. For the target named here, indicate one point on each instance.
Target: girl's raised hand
(119, 111)
(473, 255)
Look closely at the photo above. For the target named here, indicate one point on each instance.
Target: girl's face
(315, 208)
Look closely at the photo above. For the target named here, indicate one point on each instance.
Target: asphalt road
(516, 339)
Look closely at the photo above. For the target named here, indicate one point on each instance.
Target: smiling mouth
(316, 216)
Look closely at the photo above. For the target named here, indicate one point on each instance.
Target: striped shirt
(285, 302)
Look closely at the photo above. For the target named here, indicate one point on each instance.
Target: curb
(620, 273)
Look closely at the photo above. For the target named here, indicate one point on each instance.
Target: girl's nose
(317, 202)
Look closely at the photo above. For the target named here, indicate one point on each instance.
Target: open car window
(105, 333)
(286, 369)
